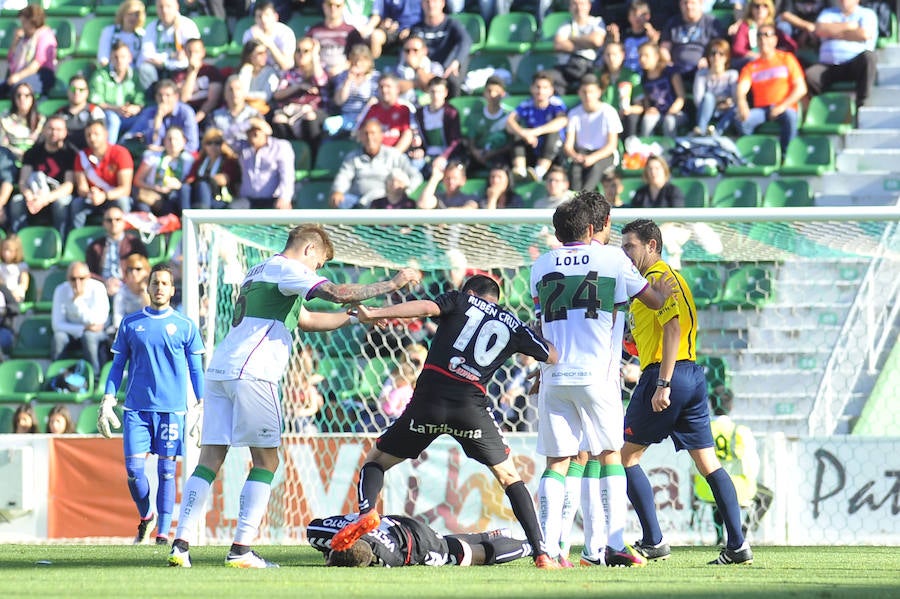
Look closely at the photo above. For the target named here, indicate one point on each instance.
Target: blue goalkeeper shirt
(161, 348)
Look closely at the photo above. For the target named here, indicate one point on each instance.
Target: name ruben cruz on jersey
(493, 310)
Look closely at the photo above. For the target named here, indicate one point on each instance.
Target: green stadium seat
(240, 28)
(762, 153)
(832, 113)
(33, 340)
(531, 192)
(725, 17)
(8, 26)
(787, 193)
(89, 40)
(65, 71)
(474, 24)
(511, 101)
(173, 245)
(530, 64)
(809, 155)
(6, 419)
(891, 40)
(20, 379)
(42, 246)
(705, 283)
(747, 287)
(50, 106)
(69, 8)
(87, 420)
(300, 23)
(58, 367)
(65, 36)
(483, 60)
(511, 33)
(312, 195)
(302, 159)
(630, 186)
(517, 294)
(736, 193)
(549, 26)
(696, 194)
(369, 382)
(465, 105)
(77, 242)
(214, 33)
(44, 302)
(570, 100)
(330, 156)
(156, 250)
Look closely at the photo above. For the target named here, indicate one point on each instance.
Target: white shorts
(242, 413)
(575, 418)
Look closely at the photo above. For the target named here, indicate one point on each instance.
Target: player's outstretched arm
(347, 293)
(413, 309)
(312, 322)
(660, 289)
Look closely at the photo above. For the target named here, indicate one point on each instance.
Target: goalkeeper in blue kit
(162, 348)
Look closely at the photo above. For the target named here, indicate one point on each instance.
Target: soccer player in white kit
(243, 407)
(577, 290)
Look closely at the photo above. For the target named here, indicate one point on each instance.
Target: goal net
(797, 309)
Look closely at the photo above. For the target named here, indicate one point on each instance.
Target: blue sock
(726, 500)
(640, 494)
(165, 496)
(138, 485)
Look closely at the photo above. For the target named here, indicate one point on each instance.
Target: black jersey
(475, 337)
(398, 541)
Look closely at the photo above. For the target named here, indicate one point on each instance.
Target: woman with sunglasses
(714, 91)
(745, 33)
(215, 174)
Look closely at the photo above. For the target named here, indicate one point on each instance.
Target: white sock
(570, 506)
(615, 500)
(254, 501)
(193, 499)
(551, 500)
(592, 512)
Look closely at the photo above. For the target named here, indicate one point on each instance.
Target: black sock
(239, 549)
(523, 508)
(371, 480)
(180, 544)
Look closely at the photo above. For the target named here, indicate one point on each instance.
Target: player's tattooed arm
(345, 293)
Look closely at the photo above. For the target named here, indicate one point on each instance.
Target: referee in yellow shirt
(670, 400)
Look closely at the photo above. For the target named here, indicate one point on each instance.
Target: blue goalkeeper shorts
(161, 433)
(686, 419)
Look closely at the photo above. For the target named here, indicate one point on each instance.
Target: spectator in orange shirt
(777, 82)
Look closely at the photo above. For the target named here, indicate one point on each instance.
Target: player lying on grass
(400, 541)
(474, 338)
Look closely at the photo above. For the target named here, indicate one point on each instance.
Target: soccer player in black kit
(474, 338)
(401, 541)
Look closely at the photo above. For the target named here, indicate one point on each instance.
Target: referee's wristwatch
(663, 383)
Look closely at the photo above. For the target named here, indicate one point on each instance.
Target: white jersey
(576, 291)
(259, 343)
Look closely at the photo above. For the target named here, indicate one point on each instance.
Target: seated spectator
(578, 42)
(448, 42)
(105, 257)
(663, 93)
(233, 119)
(847, 52)
(267, 169)
(301, 97)
(260, 79)
(611, 184)
(9, 312)
(159, 180)
(14, 272)
(438, 123)
(684, 38)
(745, 36)
(415, 70)
(640, 31)
(200, 83)
(46, 180)
(394, 116)
(798, 19)
(777, 83)
(132, 294)
(397, 390)
(396, 193)
(151, 124)
(302, 399)
(79, 315)
(59, 421)
(592, 136)
(21, 125)
(277, 38)
(162, 49)
(360, 178)
(353, 89)
(215, 176)
(658, 191)
(118, 91)
(25, 420)
(79, 111)
(335, 37)
(621, 88)
(488, 140)
(558, 190)
(499, 192)
(538, 128)
(32, 54)
(453, 176)
(127, 28)
(103, 176)
(715, 89)
(396, 18)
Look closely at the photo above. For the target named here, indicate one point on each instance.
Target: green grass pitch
(128, 571)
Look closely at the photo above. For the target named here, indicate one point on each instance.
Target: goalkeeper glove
(195, 420)
(107, 419)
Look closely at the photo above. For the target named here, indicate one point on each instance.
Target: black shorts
(453, 408)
